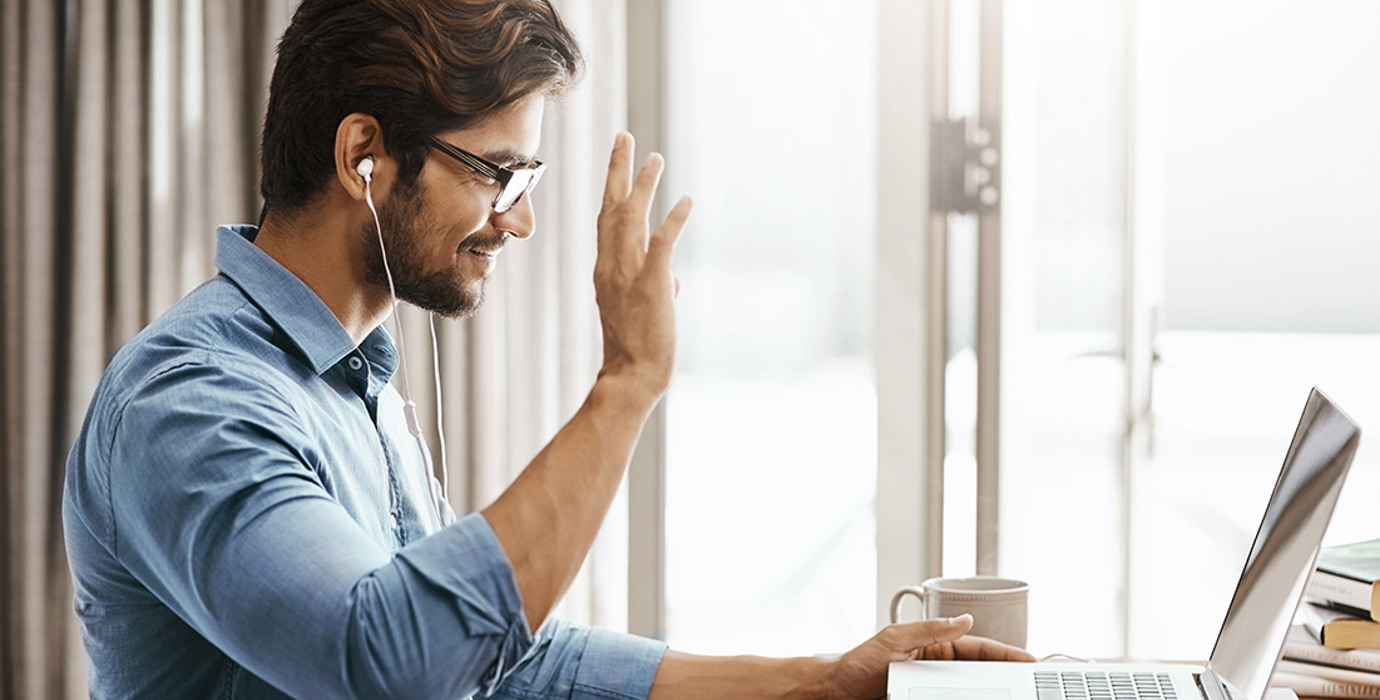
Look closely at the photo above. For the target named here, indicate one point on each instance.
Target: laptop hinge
(1212, 686)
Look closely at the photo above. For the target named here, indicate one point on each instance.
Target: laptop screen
(1285, 548)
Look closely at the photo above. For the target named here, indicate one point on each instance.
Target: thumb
(917, 635)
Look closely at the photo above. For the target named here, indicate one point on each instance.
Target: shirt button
(356, 363)
(393, 521)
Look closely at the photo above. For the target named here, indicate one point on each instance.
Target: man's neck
(320, 245)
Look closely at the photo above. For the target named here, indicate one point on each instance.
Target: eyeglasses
(513, 182)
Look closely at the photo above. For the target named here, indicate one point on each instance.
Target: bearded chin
(441, 292)
(443, 295)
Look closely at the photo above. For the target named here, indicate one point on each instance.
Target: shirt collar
(290, 303)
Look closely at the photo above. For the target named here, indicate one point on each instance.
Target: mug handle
(904, 591)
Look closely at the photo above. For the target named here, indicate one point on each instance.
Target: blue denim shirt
(247, 516)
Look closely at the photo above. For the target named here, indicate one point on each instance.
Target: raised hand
(633, 283)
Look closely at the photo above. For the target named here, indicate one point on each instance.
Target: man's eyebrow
(508, 157)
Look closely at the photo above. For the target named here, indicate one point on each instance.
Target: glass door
(1268, 219)
(1189, 228)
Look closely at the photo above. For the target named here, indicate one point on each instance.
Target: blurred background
(1035, 288)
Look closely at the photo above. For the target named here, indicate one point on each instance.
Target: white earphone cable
(409, 407)
(440, 416)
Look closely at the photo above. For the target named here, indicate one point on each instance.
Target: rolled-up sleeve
(222, 519)
(583, 663)
(487, 604)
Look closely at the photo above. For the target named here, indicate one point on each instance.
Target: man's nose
(519, 221)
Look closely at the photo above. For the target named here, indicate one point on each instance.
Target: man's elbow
(395, 648)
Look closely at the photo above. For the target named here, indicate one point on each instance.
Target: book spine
(1339, 589)
(1313, 653)
(1313, 687)
(1351, 633)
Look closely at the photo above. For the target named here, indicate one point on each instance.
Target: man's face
(441, 232)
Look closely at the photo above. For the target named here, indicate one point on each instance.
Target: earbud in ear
(365, 168)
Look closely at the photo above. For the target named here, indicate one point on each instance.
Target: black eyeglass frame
(507, 178)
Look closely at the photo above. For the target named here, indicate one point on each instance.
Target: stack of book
(1333, 650)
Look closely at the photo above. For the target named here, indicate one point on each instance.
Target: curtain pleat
(34, 36)
(79, 316)
(125, 293)
(11, 52)
(228, 164)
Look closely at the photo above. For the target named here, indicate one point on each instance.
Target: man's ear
(359, 136)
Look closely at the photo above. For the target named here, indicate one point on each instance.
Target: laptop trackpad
(960, 694)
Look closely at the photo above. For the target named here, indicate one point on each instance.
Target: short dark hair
(420, 67)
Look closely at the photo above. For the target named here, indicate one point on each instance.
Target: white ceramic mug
(999, 606)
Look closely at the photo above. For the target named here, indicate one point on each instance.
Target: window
(771, 421)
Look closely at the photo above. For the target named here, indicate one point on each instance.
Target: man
(248, 510)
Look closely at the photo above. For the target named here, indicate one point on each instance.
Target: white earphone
(366, 171)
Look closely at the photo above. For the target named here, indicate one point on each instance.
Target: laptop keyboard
(1103, 685)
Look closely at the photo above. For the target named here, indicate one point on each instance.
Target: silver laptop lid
(1285, 548)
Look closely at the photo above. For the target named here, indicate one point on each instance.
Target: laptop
(1251, 639)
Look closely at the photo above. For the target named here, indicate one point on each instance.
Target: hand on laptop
(861, 673)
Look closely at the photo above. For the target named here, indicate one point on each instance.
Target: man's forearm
(684, 676)
(547, 520)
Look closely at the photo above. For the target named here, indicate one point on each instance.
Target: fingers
(630, 231)
(945, 640)
(664, 239)
(620, 169)
(910, 637)
(983, 649)
(644, 188)
(615, 188)
(973, 649)
(628, 201)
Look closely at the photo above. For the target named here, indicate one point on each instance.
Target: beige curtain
(128, 131)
